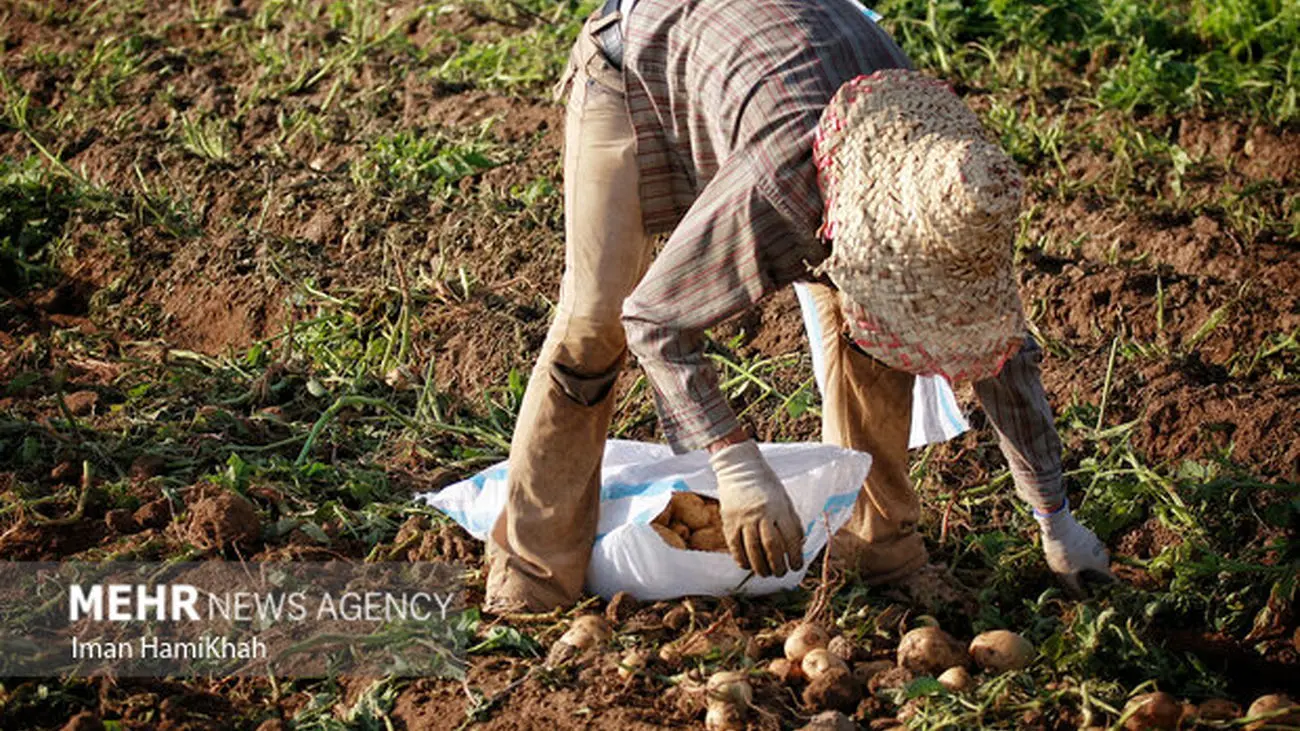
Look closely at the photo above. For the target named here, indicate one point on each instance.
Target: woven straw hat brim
(921, 211)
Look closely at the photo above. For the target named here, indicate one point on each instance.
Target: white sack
(637, 480)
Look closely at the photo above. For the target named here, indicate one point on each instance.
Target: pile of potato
(833, 675)
(691, 522)
(836, 675)
(1162, 712)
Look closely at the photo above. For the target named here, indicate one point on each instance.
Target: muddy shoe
(512, 591)
(501, 605)
(933, 587)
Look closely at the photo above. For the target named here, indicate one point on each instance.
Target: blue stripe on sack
(836, 503)
(873, 15)
(620, 490)
(480, 480)
(833, 504)
(946, 399)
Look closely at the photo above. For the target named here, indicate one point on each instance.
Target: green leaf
(924, 686)
(508, 639)
(315, 532)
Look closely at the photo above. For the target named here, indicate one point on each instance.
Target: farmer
(773, 141)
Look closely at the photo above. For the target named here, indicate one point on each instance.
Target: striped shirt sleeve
(1017, 407)
(709, 270)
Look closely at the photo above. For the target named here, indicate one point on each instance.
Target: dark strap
(610, 37)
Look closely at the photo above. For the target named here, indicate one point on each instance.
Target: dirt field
(223, 223)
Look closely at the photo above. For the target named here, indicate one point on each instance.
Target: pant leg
(539, 548)
(867, 406)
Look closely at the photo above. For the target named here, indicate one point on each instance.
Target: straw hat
(921, 213)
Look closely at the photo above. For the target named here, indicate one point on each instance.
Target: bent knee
(587, 355)
(588, 346)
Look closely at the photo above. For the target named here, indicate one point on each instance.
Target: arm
(1017, 406)
(709, 270)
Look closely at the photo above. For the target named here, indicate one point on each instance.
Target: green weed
(205, 137)
(109, 65)
(368, 713)
(34, 206)
(523, 61)
(407, 162)
(1152, 56)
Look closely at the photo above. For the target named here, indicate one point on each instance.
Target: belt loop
(605, 20)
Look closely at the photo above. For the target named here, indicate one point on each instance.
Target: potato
(715, 520)
(1218, 709)
(820, 661)
(1152, 711)
(843, 648)
(930, 650)
(680, 529)
(1271, 704)
(830, 721)
(723, 717)
(728, 697)
(784, 670)
(729, 687)
(999, 651)
(834, 690)
(561, 652)
(594, 626)
(665, 517)
(677, 617)
(669, 536)
(956, 679)
(586, 632)
(689, 508)
(707, 539)
(633, 662)
(806, 637)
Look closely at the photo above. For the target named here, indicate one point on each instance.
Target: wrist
(736, 436)
(1064, 507)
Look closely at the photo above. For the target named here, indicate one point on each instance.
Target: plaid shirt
(725, 97)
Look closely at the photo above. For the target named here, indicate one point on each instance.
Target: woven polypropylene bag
(637, 481)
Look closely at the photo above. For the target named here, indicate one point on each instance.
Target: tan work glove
(1073, 552)
(758, 520)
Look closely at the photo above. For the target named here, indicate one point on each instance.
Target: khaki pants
(539, 549)
(867, 406)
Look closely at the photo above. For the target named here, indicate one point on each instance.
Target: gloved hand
(1073, 552)
(758, 520)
